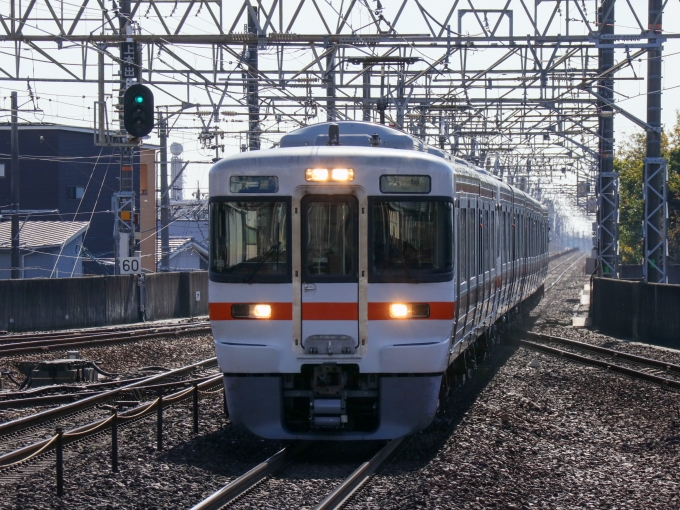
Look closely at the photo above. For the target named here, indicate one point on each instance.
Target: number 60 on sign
(130, 265)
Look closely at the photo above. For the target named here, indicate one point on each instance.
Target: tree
(629, 163)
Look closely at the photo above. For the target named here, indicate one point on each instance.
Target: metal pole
(114, 443)
(253, 87)
(607, 189)
(195, 409)
(165, 196)
(101, 99)
(367, 92)
(16, 256)
(159, 424)
(654, 170)
(330, 87)
(60, 461)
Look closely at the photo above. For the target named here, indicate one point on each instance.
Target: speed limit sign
(130, 265)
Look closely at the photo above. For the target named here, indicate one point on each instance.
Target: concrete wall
(634, 272)
(645, 312)
(48, 304)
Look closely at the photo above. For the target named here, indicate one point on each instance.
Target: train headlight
(248, 311)
(398, 311)
(409, 311)
(262, 311)
(316, 174)
(342, 174)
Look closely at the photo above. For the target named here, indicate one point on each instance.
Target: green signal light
(139, 99)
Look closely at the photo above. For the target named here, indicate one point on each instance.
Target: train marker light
(409, 311)
(342, 174)
(248, 311)
(316, 174)
(323, 174)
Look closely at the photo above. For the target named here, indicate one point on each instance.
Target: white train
(352, 270)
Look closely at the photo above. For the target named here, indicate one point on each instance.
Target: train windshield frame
(250, 239)
(410, 239)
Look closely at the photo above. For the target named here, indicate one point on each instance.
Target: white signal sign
(130, 265)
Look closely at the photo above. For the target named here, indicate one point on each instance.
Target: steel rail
(246, 481)
(93, 332)
(354, 481)
(58, 412)
(563, 273)
(14, 403)
(30, 341)
(562, 263)
(98, 426)
(603, 364)
(61, 344)
(603, 350)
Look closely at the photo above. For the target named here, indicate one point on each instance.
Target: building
(186, 254)
(61, 169)
(48, 249)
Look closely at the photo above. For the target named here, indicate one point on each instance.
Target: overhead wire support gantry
(523, 88)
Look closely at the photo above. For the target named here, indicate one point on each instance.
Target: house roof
(41, 234)
(180, 244)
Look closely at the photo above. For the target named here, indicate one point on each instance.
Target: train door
(462, 271)
(329, 277)
(472, 249)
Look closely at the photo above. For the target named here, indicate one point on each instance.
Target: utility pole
(368, 67)
(253, 85)
(123, 202)
(654, 191)
(607, 184)
(16, 256)
(165, 196)
(330, 86)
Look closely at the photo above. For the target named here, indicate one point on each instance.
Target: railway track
(335, 499)
(35, 457)
(20, 431)
(13, 345)
(563, 262)
(648, 369)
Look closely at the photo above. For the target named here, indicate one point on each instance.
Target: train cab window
(330, 238)
(249, 241)
(411, 240)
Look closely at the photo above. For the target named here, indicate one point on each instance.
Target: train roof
(367, 134)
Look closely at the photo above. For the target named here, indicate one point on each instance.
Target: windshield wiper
(261, 262)
(406, 264)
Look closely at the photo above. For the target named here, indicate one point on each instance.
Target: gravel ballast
(527, 431)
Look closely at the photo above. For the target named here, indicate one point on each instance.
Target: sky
(72, 103)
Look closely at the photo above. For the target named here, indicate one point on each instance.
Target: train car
(352, 271)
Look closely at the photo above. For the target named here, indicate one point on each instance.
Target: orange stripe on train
(438, 311)
(330, 311)
(333, 311)
(222, 311)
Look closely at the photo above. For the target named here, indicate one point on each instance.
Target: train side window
(462, 246)
(482, 242)
(487, 240)
(494, 237)
(472, 243)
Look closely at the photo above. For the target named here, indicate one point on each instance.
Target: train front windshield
(412, 240)
(249, 241)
